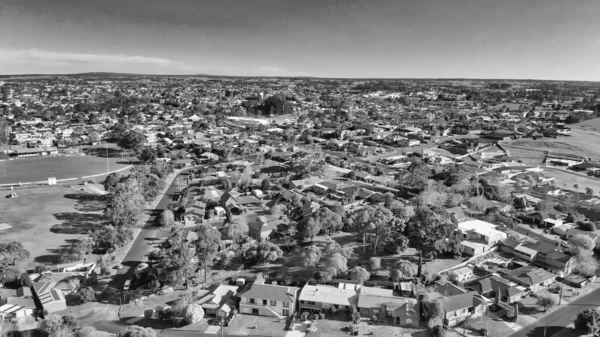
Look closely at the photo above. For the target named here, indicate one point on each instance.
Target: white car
(127, 285)
(119, 266)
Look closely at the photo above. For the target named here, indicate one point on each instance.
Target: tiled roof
(272, 292)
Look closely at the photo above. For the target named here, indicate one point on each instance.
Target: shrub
(322, 315)
(374, 319)
(149, 313)
(333, 310)
(104, 271)
(586, 317)
(437, 331)
(587, 226)
(86, 295)
(375, 263)
(193, 313)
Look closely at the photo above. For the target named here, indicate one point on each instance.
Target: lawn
(63, 167)
(243, 325)
(566, 180)
(333, 328)
(44, 219)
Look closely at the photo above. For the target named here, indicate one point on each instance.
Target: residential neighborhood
(250, 206)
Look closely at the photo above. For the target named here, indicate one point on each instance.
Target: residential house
(263, 226)
(458, 308)
(383, 304)
(490, 285)
(217, 298)
(479, 236)
(461, 274)
(194, 214)
(324, 297)
(532, 277)
(269, 300)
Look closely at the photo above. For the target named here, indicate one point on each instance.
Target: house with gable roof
(269, 300)
(383, 304)
(217, 298)
(460, 307)
(532, 277)
(263, 226)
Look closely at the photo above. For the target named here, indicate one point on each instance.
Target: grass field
(40, 168)
(43, 220)
(566, 180)
(583, 142)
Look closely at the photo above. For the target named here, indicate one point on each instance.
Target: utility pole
(107, 164)
(561, 294)
(545, 327)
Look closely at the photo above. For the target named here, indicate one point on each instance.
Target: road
(561, 318)
(146, 238)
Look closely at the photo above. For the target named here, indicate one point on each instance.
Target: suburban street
(561, 318)
(147, 236)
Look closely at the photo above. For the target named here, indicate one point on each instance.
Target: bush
(322, 315)
(375, 263)
(586, 317)
(333, 310)
(374, 319)
(587, 226)
(86, 295)
(104, 271)
(193, 313)
(149, 313)
(437, 331)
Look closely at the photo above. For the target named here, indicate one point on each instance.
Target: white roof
(329, 294)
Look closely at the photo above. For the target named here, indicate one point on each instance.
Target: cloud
(277, 71)
(32, 55)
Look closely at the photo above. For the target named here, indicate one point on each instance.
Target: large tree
(133, 140)
(167, 219)
(376, 222)
(208, 245)
(12, 252)
(337, 264)
(312, 255)
(147, 154)
(401, 269)
(178, 260)
(359, 274)
(126, 204)
(432, 233)
(236, 231)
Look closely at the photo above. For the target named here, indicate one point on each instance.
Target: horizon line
(7, 77)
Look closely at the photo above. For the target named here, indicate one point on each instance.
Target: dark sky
(546, 39)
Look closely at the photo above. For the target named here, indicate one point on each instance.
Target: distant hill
(109, 74)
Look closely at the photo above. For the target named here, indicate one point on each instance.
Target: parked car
(229, 319)
(127, 285)
(119, 266)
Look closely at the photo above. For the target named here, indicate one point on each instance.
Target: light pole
(107, 163)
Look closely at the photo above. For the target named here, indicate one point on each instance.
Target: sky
(511, 39)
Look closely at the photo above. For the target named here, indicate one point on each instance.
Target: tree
(337, 264)
(278, 210)
(580, 242)
(265, 184)
(335, 248)
(193, 313)
(589, 191)
(327, 220)
(51, 324)
(126, 204)
(137, 331)
(401, 269)
(379, 222)
(312, 255)
(86, 294)
(585, 263)
(236, 231)
(432, 234)
(546, 302)
(308, 229)
(133, 140)
(576, 186)
(12, 252)
(148, 154)
(111, 181)
(585, 318)
(167, 219)
(359, 274)
(178, 260)
(268, 252)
